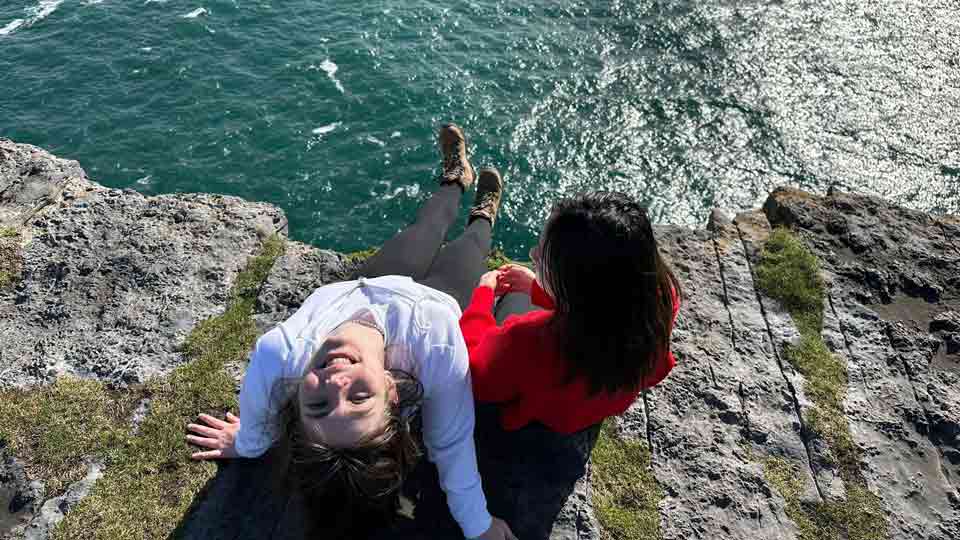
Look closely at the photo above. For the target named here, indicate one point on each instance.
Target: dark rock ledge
(109, 282)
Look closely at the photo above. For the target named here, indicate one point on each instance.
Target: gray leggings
(418, 250)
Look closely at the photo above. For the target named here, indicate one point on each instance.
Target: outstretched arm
(231, 439)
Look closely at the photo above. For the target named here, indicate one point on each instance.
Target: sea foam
(196, 13)
(331, 70)
(10, 28)
(35, 14)
(322, 130)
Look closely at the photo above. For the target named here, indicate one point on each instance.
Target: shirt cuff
(477, 526)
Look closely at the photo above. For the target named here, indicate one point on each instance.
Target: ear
(393, 394)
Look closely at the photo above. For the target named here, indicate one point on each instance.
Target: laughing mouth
(337, 361)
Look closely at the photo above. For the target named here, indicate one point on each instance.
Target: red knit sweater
(520, 366)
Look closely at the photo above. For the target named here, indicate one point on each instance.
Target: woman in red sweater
(609, 302)
(545, 379)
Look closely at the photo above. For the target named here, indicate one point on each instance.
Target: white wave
(331, 70)
(376, 141)
(43, 9)
(323, 130)
(35, 14)
(10, 28)
(195, 13)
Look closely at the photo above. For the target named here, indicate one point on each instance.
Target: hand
(490, 279)
(217, 435)
(499, 530)
(515, 278)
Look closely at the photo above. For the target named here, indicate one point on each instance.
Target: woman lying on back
(609, 302)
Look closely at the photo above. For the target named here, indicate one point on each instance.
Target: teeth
(339, 361)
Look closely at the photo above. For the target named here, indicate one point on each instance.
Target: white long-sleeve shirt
(423, 337)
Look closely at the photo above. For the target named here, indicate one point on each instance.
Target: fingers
(215, 422)
(205, 442)
(203, 430)
(232, 418)
(209, 454)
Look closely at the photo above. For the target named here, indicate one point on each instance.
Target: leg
(459, 265)
(412, 250)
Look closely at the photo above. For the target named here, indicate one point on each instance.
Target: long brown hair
(361, 482)
(612, 289)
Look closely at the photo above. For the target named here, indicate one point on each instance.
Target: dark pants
(418, 250)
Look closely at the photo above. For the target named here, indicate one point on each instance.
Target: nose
(340, 379)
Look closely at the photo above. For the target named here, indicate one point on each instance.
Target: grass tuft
(150, 482)
(11, 260)
(625, 492)
(498, 258)
(58, 426)
(858, 517)
(790, 273)
(359, 257)
(495, 259)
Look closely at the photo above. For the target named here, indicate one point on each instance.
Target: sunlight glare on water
(328, 109)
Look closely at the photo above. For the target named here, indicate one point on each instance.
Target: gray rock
(19, 497)
(53, 510)
(112, 281)
(295, 275)
(725, 408)
(886, 294)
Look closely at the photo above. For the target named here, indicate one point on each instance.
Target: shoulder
(534, 323)
(270, 355)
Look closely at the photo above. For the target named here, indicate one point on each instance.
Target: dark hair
(612, 289)
(360, 482)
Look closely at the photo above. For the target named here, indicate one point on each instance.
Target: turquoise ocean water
(327, 108)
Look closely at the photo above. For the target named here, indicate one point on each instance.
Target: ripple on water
(685, 104)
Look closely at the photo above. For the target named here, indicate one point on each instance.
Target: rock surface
(110, 282)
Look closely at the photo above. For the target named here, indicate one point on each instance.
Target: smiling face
(346, 391)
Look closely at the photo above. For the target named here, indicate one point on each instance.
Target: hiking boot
(456, 167)
(486, 203)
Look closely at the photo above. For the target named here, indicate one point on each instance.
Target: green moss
(857, 517)
(498, 258)
(11, 259)
(784, 476)
(495, 259)
(625, 492)
(55, 427)
(251, 278)
(358, 257)
(825, 374)
(150, 482)
(790, 273)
